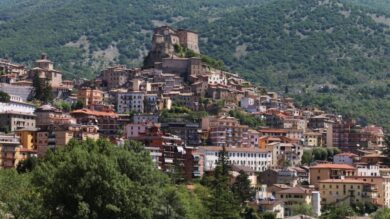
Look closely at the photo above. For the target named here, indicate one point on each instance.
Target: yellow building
(313, 139)
(294, 196)
(347, 191)
(12, 152)
(382, 183)
(330, 171)
(90, 96)
(27, 138)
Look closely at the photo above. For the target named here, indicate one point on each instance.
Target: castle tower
(189, 39)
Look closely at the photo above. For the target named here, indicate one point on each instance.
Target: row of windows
(233, 154)
(337, 186)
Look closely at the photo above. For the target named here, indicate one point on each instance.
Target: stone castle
(164, 40)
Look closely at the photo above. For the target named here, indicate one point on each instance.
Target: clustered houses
(158, 106)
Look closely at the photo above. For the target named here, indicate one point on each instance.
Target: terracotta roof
(230, 149)
(333, 166)
(347, 154)
(354, 181)
(94, 113)
(295, 190)
(246, 169)
(282, 186)
(274, 130)
(375, 155)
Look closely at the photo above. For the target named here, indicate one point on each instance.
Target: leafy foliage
(4, 97)
(247, 119)
(242, 188)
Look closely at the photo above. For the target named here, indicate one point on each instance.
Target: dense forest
(333, 53)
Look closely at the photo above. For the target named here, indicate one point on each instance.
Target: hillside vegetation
(331, 53)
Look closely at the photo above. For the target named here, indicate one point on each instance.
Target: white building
(217, 77)
(344, 158)
(246, 102)
(253, 138)
(142, 118)
(367, 170)
(16, 106)
(132, 101)
(133, 130)
(255, 158)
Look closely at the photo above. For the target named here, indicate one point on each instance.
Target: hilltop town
(186, 109)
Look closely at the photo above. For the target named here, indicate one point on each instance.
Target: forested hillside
(327, 53)
(332, 53)
(80, 34)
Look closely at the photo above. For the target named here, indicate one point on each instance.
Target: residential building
(285, 152)
(382, 184)
(254, 137)
(106, 121)
(23, 91)
(375, 136)
(273, 206)
(330, 171)
(226, 131)
(7, 67)
(364, 169)
(48, 115)
(286, 176)
(12, 121)
(258, 160)
(145, 117)
(294, 196)
(28, 138)
(44, 68)
(348, 191)
(345, 158)
(313, 139)
(190, 133)
(131, 101)
(12, 152)
(117, 76)
(188, 100)
(89, 96)
(133, 130)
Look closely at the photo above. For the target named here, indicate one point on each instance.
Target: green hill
(328, 53)
(80, 34)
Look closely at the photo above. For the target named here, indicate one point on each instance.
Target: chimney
(43, 56)
(316, 203)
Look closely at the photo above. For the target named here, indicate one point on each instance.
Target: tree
(307, 157)
(17, 198)
(222, 204)
(95, 179)
(386, 150)
(268, 215)
(77, 105)
(47, 93)
(38, 90)
(338, 212)
(249, 213)
(304, 209)
(27, 165)
(242, 188)
(4, 97)
(382, 213)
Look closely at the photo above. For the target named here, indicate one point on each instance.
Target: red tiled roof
(230, 149)
(347, 154)
(355, 181)
(333, 166)
(274, 130)
(295, 190)
(94, 113)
